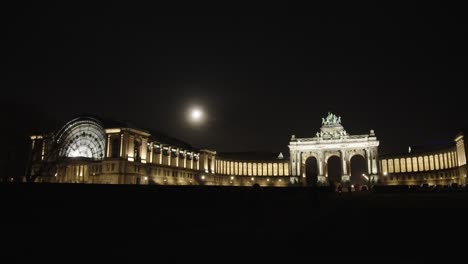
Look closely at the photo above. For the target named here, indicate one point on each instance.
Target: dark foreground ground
(107, 223)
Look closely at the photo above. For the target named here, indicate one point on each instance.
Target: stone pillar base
(294, 181)
(322, 181)
(345, 178)
(373, 179)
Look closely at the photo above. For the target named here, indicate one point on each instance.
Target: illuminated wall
(441, 167)
(91, 151)
(95, 153)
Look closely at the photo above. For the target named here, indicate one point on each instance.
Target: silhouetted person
(340, 189)
(349, 189)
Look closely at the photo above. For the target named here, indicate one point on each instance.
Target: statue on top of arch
(331, 119)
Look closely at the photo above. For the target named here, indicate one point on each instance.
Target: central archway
(311, 171)
(334, 170)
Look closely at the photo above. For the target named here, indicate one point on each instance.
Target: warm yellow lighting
(146, 178)
(268, 179)
(113, 130)
(203, 177)
(252, 178)
(385, 173)
(232, 177)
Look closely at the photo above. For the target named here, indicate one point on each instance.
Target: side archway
(358, 170)
(311, 171)
(334, 170)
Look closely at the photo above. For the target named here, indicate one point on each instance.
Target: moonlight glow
(196, 114)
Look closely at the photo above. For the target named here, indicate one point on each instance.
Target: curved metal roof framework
(82, 137)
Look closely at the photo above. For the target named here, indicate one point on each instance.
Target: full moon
(196, 114)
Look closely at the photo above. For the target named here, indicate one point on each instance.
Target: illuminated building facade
(93, 150)
(440, 165)
(333, 140)
(89, 150)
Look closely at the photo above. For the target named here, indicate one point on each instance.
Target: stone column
(374, 177)
(292, 164)
(368, 158)
(191, 160)
(108, 146)
(151, 152)
(345, 177)
(160, 154)
(322, 179)
(121, 144)
(169, 157)
(298, 163)
(213, 160)
(144, 150)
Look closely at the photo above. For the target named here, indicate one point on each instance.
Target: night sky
(260, 73)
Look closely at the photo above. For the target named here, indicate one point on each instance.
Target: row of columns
(205, 161)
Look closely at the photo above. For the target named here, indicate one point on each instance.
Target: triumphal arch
(333, 140)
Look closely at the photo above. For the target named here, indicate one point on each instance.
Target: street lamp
(365, 176)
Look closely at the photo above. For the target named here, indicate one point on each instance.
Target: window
(403, 165)
(426, 163)
(397, 165)
(384, 166)
(409, 166)
(415, 164)
(115, 147)
(390, 166)
(136, 145)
